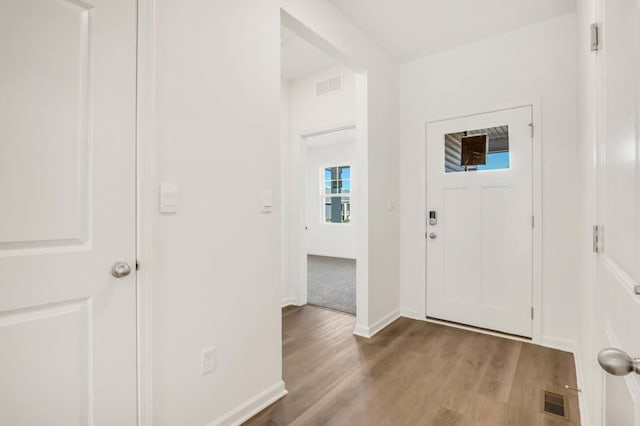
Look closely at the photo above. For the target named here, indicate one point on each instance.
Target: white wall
(313, 114)
(310, 114)
(217, 261)
(532, 63)
(216, 114)
(329, 239)
(378, 159)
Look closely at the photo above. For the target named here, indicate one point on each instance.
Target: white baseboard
(361, 330)
(253, 406)
(412, 314)
(288, 301)
(558, 343)
(377, 326)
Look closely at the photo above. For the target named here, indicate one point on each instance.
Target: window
(336, 193)
(481, 149)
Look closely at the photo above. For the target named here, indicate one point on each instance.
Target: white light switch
(266, 197)
(168, 198)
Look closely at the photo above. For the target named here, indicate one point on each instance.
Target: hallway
(412, 373)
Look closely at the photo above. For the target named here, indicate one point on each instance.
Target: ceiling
(299, 59)
(409, 29)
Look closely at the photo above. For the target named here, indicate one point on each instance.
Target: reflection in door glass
(480, 149)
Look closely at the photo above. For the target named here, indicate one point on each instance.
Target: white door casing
(618, 207)
(67, 179)
(479, 265)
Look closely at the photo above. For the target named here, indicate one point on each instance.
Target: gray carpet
(331, 283)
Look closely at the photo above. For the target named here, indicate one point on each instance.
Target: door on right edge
(618, 207)
(479, 220)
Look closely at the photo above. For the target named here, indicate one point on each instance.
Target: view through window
(337, 194)
(463, 153)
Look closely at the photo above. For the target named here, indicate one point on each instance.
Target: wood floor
(412, 373)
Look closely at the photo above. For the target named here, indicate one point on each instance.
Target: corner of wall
(253, 406)
(289, 301)
(377, 326)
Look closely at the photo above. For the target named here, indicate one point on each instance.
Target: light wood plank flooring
(412, 373)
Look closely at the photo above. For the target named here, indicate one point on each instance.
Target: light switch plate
(266, 200)
(168, 198)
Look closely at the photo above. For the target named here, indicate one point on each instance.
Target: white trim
(585, 419)
(625, 280)
(361, 207)
(377, 326)
(558, 343)
(145, 156)
(478, 330)
(550, 342)
(536, 194)
(289, 301)
(324, 195)
(412, 314)
(251, 407)
(535, 104)
(300, 175)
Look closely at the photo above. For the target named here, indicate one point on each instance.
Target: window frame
(324, 195)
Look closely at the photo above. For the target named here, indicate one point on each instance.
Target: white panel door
(479, 253)
(67, 185)
(618, 270)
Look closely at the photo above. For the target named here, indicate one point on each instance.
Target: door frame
(299, 175)
(145, 203)
(362, 326)
(537, 333)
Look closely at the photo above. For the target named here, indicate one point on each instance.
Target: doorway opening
(330, 205)
(323, 145)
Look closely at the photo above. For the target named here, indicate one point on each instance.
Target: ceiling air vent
(330, 85)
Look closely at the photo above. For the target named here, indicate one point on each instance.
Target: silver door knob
(617, 362)
(433, 236)
(120, 269)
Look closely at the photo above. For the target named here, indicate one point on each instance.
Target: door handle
(120, 269)
(433, 236)
(617, 362)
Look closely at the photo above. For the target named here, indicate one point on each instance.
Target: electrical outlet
(208, 360)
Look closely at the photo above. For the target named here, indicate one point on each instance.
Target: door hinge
(533, 222)
(595, 37)
(597, 238)
(531, 126)
(137, 265)
(532, 312)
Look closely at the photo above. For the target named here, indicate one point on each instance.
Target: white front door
(618, 270)
(67, 191)
(479, 222)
